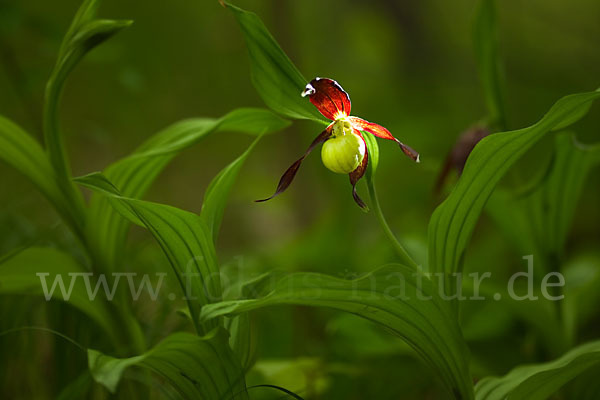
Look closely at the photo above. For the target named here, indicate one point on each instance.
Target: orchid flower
(344, 149)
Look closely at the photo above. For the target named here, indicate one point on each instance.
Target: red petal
(329, 98)
(383, 133)
(290, 173)
(357, 174)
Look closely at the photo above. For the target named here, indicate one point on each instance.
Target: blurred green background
(408, 65)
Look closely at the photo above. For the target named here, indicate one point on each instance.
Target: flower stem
(405, 258)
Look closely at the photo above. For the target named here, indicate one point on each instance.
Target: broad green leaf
(48, 272)
(540, 381)
(196, 367)
(25, 154)
(183, 237)
(557, 197)
(217, 193)
(391, 296)
(486, 52)
(134, 174)
(452, 223)
(275, 77)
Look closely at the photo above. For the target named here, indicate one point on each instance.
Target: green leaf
(196, 367)
(242, 339)
(453, 221)
(183, 237)
(83, 36)
(582, 297)
(539, 381)
(20, 274)
(134, 174)
(510, 214)
(25, 154)
(217, 193)
(557, 197)
(486, 51)
(275, 77)
(391, 296)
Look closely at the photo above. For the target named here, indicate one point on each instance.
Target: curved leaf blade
(84, 34)
(183, 237)
(539, 381)
(25, 154)
(453, 221)
(215, 198)
(427, 325)
(134, 174)
(19, 274)
(275, 77)
(558, 195)
(196, 367)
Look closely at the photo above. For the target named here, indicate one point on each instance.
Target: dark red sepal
(383, 133)
(289, 175)
(356, 175)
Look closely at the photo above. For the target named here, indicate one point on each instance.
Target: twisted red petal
(329, 98)
(357, 174)
(383, 133)
(289, 175)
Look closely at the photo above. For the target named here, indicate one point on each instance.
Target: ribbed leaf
(134, 174)
(486, 52)
(84, 34)
(453, 221)
(196, 367)
(242, 339)
(554, 203)
(25, 154)
(539, 381)
(217, 193)
(183, 237)
(427, 325)
(275, 77)
(18, 275)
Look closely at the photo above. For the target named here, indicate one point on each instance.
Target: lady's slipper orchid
(344, 148)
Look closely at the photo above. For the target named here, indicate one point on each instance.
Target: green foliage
(539, 381)
(553, 204)
(275, 77)
(217, 193)
(183, 237)
(452, 222)
(196, 367)
(19, 275)
(217, 361)
(134, 174)
(26, 155)
(485, 34)
(394, 297)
